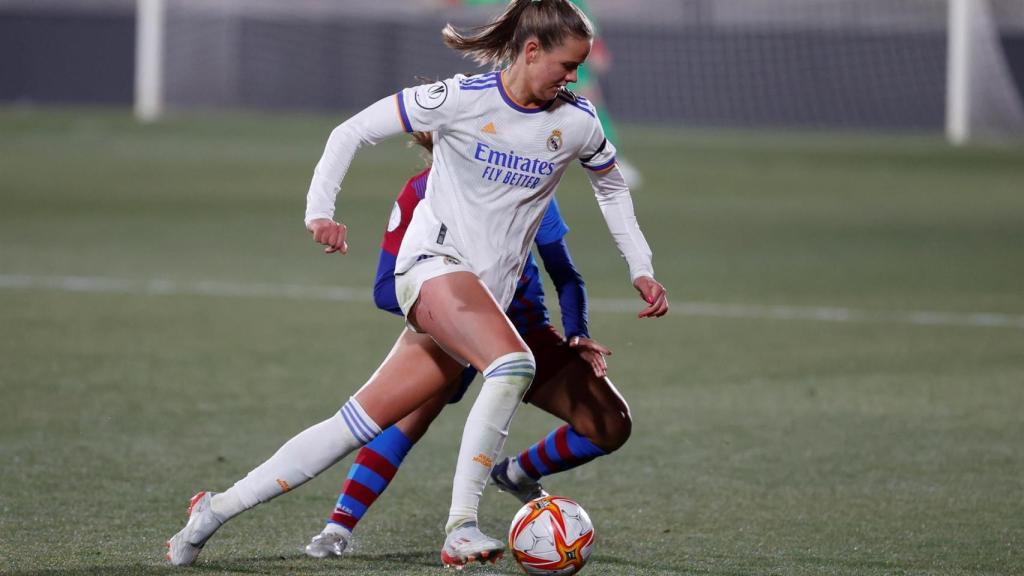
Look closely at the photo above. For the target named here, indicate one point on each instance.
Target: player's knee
(605, 419)
(517, 369)
(620, 427)
(607, 427)
(611, 430)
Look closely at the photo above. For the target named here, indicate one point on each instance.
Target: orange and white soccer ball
(551, 535)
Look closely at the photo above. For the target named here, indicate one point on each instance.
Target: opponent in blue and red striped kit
(563, 369)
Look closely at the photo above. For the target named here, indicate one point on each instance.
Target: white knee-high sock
(307, 454)
(506, 380)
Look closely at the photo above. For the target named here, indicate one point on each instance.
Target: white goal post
(981, 99)
(149, 59)
(781, 63)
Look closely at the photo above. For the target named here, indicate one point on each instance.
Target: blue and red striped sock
(561, 450)
(370, 474)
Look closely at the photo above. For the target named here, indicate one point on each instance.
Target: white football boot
(526, 490)
(467, 544)
(184, 547)
(331, 542)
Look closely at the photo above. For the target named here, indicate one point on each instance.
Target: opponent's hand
(593, 352)
(329, 233)
(654, 294)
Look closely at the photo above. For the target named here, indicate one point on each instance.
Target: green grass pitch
(771, 436)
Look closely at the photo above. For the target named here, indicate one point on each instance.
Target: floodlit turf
(760, 446)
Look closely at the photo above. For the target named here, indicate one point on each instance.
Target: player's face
(556, 67)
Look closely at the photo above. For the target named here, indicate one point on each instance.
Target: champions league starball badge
(432, 96)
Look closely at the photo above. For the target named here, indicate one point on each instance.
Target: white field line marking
(158, 287)
(825, 314)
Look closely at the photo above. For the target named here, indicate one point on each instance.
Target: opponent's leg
(459, 312)
(375, 466)
(598, 420)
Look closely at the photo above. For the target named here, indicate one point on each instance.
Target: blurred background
(861, 64)
(833, 191)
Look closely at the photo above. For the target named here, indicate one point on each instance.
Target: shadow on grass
(733, 565)
(426, 560)
(141, 569)
(359, 563)
(634, 567)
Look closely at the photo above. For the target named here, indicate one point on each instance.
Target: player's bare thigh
(460, 313)
(592, 405)
(415, 371)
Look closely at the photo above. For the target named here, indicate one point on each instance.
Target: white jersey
(496, 165)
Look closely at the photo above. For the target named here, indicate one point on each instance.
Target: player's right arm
(426, 108)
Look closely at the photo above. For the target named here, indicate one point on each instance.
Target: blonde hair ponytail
(499, 42)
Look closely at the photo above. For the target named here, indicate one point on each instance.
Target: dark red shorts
(551, 352)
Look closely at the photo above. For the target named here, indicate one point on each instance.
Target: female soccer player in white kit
(502, 142)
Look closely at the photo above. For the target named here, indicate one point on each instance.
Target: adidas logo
(489, 129)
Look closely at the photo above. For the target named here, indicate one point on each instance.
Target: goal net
(891, 65)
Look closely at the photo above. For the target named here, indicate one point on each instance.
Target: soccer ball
(551, 535)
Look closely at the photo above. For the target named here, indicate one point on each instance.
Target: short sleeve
(429, 107)
(552, 227)
(598, 154)
(401, 214)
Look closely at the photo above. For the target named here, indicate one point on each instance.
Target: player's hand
(329, 233)
(654, 294)
(593, 352)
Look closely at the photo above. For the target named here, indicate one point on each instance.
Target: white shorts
(408, 284)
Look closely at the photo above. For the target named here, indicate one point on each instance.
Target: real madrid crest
(555, 140)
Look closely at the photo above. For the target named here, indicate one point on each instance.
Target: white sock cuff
(515, 472)
(358, 421)
(512, 364)
(332, 528)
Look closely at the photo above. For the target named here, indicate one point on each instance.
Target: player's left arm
(616, 202)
